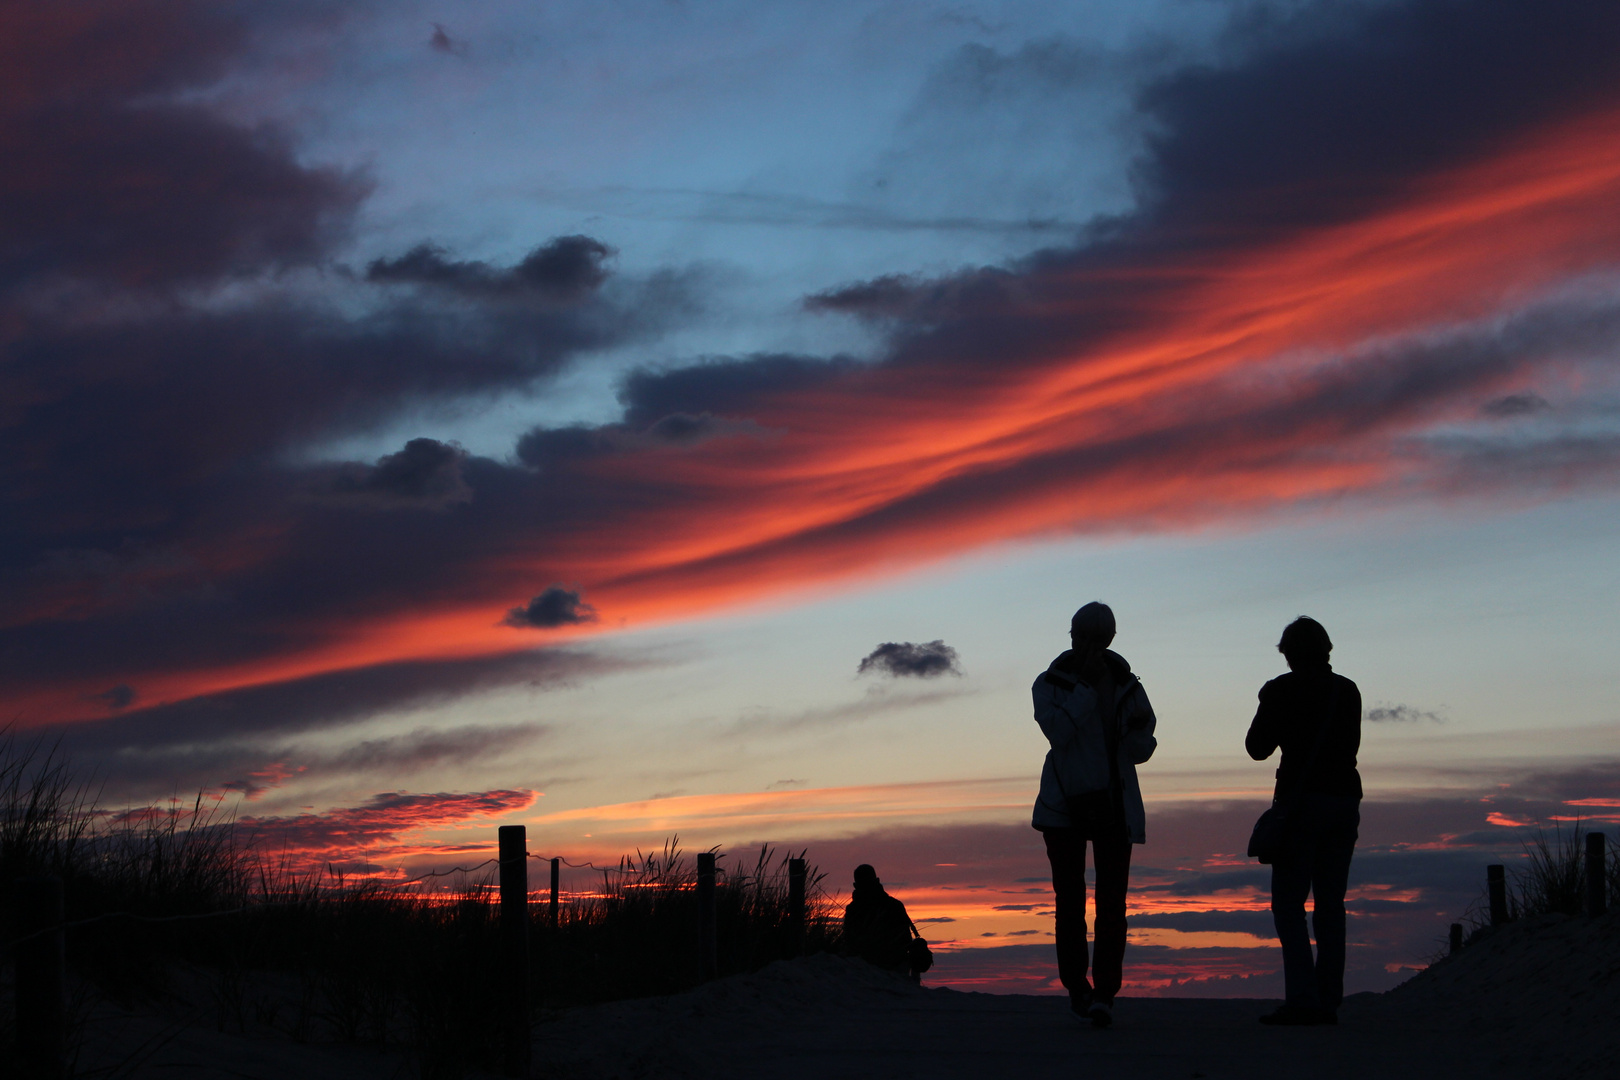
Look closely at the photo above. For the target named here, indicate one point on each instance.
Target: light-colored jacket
(1066, 709)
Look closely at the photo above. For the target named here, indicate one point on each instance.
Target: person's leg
(1330, 873)
(1290, 881)
(1066, 851)
(1113, 873)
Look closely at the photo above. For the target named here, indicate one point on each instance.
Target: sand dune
(1535, 999)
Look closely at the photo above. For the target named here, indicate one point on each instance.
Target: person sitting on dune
(876, 926)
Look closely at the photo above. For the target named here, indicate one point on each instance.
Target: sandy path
(824, 1017)
(1535, 999)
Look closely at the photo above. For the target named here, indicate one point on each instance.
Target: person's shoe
(1080, 1007)
(1299, 1016)
(1101, 1013)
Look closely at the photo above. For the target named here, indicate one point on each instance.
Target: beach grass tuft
(270, 946)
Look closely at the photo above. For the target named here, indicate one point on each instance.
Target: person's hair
(1094, 621)
(1305, 641)
(865, 873)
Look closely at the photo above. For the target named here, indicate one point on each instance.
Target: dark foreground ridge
(1532, 999)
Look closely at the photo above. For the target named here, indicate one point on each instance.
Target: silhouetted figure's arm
(1140, 722)
(1265, 731)
(1061, 698)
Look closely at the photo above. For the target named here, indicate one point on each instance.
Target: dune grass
(319, 957)
(1552, 879)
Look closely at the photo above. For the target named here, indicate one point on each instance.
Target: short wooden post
(1456, 938)
(556, 871)
(514, 963)
(1597, 884)
(1496, 884)
(41, 980)
(708, 954)
(796, 874)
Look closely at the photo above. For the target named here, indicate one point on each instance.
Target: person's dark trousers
(1317, 863)
(1066, 851)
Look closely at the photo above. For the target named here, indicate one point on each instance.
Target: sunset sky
(420, 418)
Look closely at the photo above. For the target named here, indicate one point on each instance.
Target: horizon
(642, 422)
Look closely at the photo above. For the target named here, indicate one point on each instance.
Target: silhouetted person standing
(876, 925)
(1315, 716)
(1097, 718)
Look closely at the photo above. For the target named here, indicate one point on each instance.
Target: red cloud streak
(386, 826)
(1227, 384)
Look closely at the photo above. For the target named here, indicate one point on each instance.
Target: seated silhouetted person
(876, 926)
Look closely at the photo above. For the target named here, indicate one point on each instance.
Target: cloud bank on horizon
(1372, 259)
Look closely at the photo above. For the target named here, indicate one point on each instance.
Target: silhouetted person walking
(1315, 716)
(1097, 718)
(876, 925)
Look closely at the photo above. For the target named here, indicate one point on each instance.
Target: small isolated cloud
(425, 475)
(1504, 408)
(441, 41)
(1404, 714)
(904, 658)
(556, 606)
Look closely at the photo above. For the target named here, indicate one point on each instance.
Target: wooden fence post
(514, 860)
(1456, 938)
(556, 870)
(1496, 884)
(796, 874)
(708, 954)
(41, 980)
(1597, 884)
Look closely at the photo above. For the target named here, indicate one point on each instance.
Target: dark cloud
(126, 182)
(895, 296)
(1257, 923)
(556, 606)
(1512, 405)
(119, 697)
(441, 41)
(265, 763)
(153, 506)
(1403, 714)
(320, 701)
(905, 658)
(552, 447)
(735, 387)
(563, 269)
(150, 437)
(1329, 110)
(425, 475)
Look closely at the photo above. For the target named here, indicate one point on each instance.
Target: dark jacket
(1293, 708)
(877, 929)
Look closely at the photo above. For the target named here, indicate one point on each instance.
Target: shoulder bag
(1272, 832)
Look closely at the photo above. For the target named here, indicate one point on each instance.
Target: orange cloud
(391, 827)
(1240, 380)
